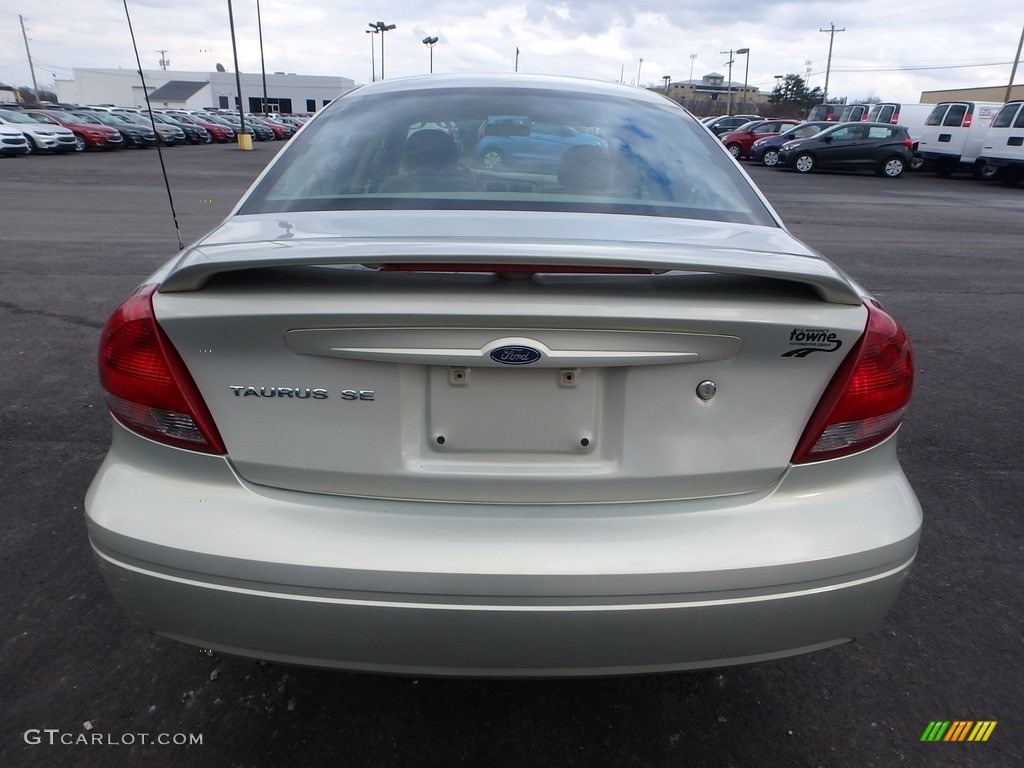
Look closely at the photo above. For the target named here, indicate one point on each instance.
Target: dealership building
(195, 90)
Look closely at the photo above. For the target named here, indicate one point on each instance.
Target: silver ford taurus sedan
(404, 413)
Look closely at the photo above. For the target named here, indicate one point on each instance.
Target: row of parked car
(986, 139)
(25, 129)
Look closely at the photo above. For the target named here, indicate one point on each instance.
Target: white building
(195, 90)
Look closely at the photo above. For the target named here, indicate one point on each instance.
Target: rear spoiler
(198, 264)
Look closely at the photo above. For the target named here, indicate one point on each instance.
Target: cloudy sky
(888, 49)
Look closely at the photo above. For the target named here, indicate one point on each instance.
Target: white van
(838, 113)
(1004, 143)
(910, 116)
(954, 134)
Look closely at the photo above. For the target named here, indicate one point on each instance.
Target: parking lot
(78, 232)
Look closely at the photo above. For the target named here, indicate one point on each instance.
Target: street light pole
(263, 64)
(373, 56)
(430, 42)
(243, 140)
(746, 72)
(638, 68)
(693, 58)
(381, 27)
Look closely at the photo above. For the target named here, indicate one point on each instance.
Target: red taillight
(865, 401)
(149, 390)
(967, 121)
(895, 117)
(909, 144)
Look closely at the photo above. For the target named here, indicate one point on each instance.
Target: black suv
(727, 123)
(881, 147)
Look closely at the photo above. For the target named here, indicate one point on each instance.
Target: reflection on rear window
(507, 149)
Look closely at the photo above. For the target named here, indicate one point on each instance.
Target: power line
(923, 69)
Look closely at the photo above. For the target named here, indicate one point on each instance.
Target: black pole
(373, 56)
(263, 64)
(238, 78)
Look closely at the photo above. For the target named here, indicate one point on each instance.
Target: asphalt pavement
(78, 233)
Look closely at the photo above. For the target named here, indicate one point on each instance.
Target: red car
(219, 133)
(281, 131)
(740, 141)
(88, 135)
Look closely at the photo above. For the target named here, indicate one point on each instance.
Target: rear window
(822, 112)
(882, 113)
(955, 116)
(507, 149)
(1005, 117)
(935, 118)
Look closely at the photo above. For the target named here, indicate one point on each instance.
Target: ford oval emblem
(515, 355)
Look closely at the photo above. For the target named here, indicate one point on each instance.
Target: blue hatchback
(766, 150)
(511, 141)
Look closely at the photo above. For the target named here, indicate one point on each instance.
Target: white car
(403, 413)
(13, 141)
(41, 136)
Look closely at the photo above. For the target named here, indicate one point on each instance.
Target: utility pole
(728, 109)
(828, 67)
(1016, 60)
(29, 54)
(164, 61)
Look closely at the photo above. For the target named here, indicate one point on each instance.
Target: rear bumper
(195, 554)
(1003, 162)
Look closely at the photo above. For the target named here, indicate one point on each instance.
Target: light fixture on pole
(380, 26)
(430, 42)
(728, 109)
(693, 58)
(746, 72)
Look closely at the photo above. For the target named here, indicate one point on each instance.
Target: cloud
(601, 40)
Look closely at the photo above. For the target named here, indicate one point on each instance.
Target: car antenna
(152, 120)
